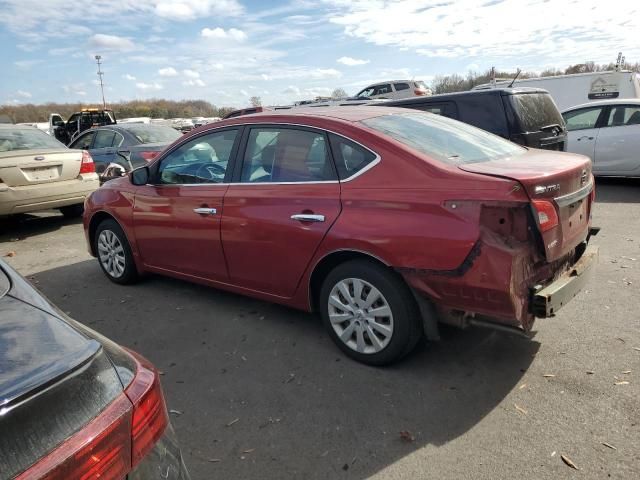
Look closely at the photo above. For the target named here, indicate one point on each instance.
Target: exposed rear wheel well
(330, 262)
(96, 220)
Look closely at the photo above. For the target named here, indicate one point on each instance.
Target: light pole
(100, 74)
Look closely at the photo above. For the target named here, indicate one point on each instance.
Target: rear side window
(583, 118)
(401, 86)
(444, 139)
(382, 89)
(536, 111)
(623, 115)
(350, 157)
(447, 109)
(104, 139)
(276, 155)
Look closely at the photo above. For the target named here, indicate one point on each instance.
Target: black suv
(527, 116)
(79, 122)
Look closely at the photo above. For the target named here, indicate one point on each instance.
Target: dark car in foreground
(73, 404)
(526, 116)
(129, 145)
(384, 220)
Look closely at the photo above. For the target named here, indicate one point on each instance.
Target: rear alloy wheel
(114, 253)
(370, 313)
(72, 211)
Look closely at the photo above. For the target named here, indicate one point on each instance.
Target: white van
(576, 89)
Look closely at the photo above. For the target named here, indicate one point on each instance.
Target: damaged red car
(385, 221)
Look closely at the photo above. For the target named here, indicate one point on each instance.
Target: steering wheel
(213, 171)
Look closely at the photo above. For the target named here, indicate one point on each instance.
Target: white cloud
(351, 62)
(81, 93)
(167, 72)
(244, 93)
(218, 66)
(23, 94)
(26, 63)
(192, 9)
(190, 73)
(149, 86)
(197, 82)
(111, 42)
(292, 89)
(127, 76)
(438, 29)
(221, 33)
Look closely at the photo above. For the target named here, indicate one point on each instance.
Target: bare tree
(339, 93)
(255, 101)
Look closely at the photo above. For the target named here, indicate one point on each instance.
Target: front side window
(104, 139)
(444, 139)
(366, 93)
(276, 155)
(582, 119)
(84, 142)
(201, 160)
(349, 156)
(623, 115)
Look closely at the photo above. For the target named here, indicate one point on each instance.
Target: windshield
(26, 139)
(536, 111)
(154, 134)
(447, 140)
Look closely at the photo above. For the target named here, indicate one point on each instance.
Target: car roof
(468, 93)
(345, 113)
(601, 103)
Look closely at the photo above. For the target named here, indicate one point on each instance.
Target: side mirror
(140, 176)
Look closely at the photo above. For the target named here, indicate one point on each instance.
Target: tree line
(462, 83)
(154, 108)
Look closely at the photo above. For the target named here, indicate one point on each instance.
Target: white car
(395, 89)
(37, 172)
(608, 132)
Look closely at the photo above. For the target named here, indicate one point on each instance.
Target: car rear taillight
(148, 156)
(547, 215)
(87, 165)
(114, 442)
(150, 417)
(419, 92)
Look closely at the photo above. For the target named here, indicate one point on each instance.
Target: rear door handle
(205, 211)
(307, 217)
(587, 137)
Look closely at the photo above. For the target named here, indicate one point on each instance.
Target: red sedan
(386, 221)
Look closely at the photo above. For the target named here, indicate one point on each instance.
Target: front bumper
(548, 300)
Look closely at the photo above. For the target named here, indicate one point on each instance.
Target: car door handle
(587, 137)
(205, 211)
(307, 217)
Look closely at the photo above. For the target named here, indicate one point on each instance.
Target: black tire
(72, 211)
(407, 326)
(129, 273)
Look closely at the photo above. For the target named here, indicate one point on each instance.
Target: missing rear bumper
(548, 300)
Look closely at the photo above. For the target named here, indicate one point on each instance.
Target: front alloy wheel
(111, 253)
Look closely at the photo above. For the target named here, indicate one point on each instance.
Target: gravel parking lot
(259, 391)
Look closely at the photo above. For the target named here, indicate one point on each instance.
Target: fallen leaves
(520, 409)
(568, 462)
(406, 436)
(10, 254)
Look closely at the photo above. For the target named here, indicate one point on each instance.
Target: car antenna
(514, 78)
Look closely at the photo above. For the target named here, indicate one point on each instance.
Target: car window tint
(382, 89)
(401, 86)
(350, 157)
(448, 109)
(104, 139)
(286, 155)
(582, 119)
(622, 115)
(117, 140)
(201, 160)
(84, 142)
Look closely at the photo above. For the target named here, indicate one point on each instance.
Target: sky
(226, 51)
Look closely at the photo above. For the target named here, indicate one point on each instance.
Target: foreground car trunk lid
(31, 167)
(560, 181)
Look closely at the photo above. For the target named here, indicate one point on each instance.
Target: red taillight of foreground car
(150, 418)
(87, 165)
(148, 156)
(102, 449)
(114, 442)
(547, 215)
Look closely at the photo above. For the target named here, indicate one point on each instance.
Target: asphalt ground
(259, 391)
